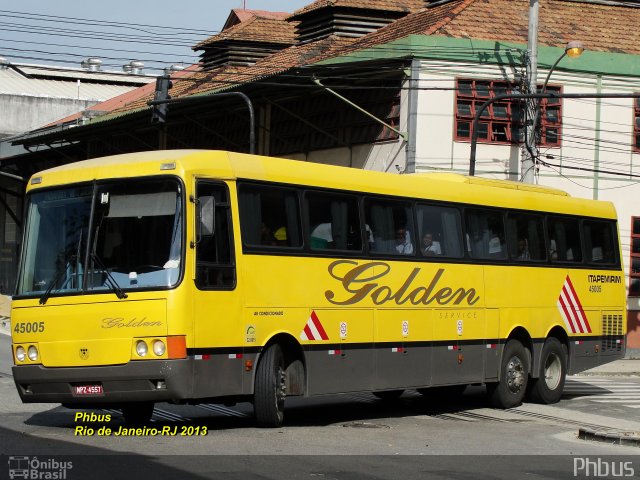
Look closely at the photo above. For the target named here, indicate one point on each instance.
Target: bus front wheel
(547, 388)
(509, 391)
(270, 388)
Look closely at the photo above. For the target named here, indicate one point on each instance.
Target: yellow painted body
(277, 294)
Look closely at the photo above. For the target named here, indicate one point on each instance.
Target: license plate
(87, 390)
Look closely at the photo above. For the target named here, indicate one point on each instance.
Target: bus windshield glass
(55, 240)
(135, 238)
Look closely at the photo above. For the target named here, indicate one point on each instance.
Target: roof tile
(203, 82)
(387, 5)
(255, 29)
(600, 27)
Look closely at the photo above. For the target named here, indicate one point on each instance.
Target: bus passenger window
(215, 262)
(440, 231)
(391, 225)
(565, 244)
(269, 216)
(599, 237)
(486, 234)
(334, 222)
(525, 237)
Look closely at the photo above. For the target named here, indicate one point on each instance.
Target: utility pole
(529, 154)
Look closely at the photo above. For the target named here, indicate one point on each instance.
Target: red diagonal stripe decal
(318, 325)
(307, 332)
(567, 314)
(575, 295)
(571, 307)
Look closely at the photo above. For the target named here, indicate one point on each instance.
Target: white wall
(22, 113)
(436, 148)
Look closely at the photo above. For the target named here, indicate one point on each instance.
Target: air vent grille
(612, 331)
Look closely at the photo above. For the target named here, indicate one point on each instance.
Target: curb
(631, 439)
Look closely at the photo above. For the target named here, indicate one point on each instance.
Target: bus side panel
(344, 362)
(459, 344)
(403, 348)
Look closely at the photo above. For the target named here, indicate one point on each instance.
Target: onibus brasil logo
(38, 469)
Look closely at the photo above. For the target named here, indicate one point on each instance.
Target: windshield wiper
(111, 282)
(58, 275)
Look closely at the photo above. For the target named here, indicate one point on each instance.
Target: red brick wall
(633, 329)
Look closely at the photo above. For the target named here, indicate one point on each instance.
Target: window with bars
(636, 125)
(502, 122)
(634, 272)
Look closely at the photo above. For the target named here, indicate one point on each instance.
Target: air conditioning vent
(612, 332)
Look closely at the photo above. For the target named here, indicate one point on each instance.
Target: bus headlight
(21, 354)
(159, 347)
(141, 348)
(32, 353)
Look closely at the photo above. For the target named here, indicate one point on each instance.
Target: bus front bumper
(157, 381)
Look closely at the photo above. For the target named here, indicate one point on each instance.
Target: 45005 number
(29, 327)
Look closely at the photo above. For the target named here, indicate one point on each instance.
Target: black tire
(509, 391)
(270, 388)
(388, 395)
(548, 387)
(441, 394)
(138, 413)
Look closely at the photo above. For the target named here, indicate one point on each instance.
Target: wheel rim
(552, 371)
(516, 375)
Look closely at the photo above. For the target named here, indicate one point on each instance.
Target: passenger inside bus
(321, 237)
(281, 236)
(403, 242)
(523, 250)
(266, 235)
(430, 246)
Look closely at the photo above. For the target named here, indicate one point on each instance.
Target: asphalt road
(335, 437)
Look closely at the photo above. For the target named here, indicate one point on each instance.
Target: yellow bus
(208, 276)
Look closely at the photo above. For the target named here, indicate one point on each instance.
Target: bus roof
(449, 187)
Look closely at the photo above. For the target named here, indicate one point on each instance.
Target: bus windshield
(134, 240)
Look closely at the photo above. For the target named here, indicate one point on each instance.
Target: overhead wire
(142, 52)
(57, 18)
(156, 38)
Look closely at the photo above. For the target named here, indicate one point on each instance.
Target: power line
(84, 56)
(92, 48)
(56, 18)
(96, 35)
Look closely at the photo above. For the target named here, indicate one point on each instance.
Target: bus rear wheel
(548, 387)
(509, 391)
(138, 413)
(270, 388)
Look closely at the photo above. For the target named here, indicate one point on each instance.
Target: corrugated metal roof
(78, 73)
(126, 98)
(14, 83)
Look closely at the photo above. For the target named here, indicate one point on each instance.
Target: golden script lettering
(360, 282)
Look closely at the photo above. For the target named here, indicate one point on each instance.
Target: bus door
(402, 354)
(217, 307)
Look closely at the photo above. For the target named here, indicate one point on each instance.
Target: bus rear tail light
(177, 346)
